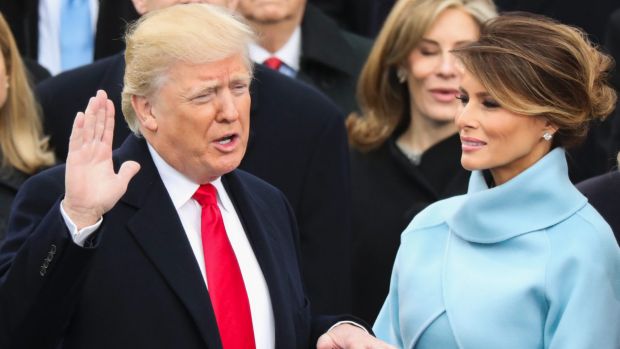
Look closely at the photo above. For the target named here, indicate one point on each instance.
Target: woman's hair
(189, 33)
(22, 145)
(535, 66)
(383, 100)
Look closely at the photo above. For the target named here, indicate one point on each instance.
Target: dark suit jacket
(603, 192)
(612, 44)
(331, 58)
(297, 143)
(23, 18)
(137, 283)
(10, 181)
(363, 17)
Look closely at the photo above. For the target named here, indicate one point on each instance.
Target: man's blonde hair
(188, 33)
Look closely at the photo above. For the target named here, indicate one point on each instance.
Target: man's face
(144, 6)
(271, 11)
(198, 120)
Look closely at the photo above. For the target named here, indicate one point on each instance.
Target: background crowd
(351, 118)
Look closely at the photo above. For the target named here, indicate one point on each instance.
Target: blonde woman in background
(23, 149)
(405, 146)
(522, 260)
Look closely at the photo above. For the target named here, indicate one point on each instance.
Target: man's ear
(144, 113)
(141, 6)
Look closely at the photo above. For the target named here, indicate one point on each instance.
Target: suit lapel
(157, 229)
(266, 250)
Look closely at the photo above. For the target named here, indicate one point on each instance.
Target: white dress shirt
(49, 32)
(181, 190)
(289, 54)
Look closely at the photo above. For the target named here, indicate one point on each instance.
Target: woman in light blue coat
(522, 261)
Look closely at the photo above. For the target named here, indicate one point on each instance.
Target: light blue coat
(524, 265)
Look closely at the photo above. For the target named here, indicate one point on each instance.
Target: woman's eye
(428, 52)
(489, 103)
(463, 98)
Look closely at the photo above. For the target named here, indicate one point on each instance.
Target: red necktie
(226, 287)
(273, 62)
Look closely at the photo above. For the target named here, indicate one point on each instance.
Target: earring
(547, 136)
(401, 74)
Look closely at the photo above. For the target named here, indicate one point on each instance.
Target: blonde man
(191, 253)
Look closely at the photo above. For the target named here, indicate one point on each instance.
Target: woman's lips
(469, 144)
(444, 95)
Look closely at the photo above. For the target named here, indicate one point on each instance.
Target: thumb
(326, 342)
(127, 171)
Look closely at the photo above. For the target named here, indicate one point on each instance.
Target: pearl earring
(547, 136)
(401, 74)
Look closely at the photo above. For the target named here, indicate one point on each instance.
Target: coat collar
(536, 199)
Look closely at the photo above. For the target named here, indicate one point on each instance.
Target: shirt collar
(539, 197)
(180, 188)
(289, 54)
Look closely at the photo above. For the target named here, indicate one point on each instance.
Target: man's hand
(91, 186)
(347, 336)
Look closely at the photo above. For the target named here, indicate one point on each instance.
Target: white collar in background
(290, 53)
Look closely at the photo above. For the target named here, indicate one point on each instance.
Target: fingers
(108, 133)
(95, 118)
(75, 140)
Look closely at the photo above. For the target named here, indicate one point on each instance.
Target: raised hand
(91, 186)
(347, 336)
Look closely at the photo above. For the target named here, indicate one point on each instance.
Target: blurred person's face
(198, 120)
(432, 77)
(4, 81)
(494, 138)
(145, 6)
(271, 11)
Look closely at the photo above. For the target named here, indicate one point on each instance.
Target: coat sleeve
(387, 325)
(583, 290)
(41, 269)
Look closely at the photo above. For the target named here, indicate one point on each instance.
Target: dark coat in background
(363, 17)
(603, 192)
(23, 18)
(388, 191)
(331, 58)
(297, 143)
(137, 284)
(10, 181)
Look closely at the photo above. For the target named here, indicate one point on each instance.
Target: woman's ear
(144, 112)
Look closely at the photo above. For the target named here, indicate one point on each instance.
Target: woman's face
(494, 138)
(432, 77)
(4, 81)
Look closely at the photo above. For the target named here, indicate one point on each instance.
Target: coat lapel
(270, 258)
(158, 230)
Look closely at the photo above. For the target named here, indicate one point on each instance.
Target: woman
(522, 260)
(23, 150)
(406, 147)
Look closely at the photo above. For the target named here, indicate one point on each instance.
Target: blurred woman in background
(405, 146)
(522, 260)
(23, 149)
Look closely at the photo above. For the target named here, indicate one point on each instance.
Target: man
(298, 40)
(297, 143)
(29, 18)
(191, 253)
